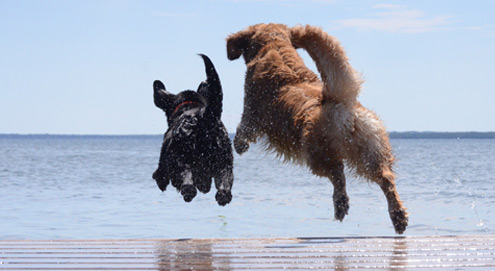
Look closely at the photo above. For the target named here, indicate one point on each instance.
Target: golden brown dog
(310, 121)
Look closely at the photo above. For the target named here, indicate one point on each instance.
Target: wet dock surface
(350, 253)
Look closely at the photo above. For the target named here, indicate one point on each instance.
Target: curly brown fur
(310, 121)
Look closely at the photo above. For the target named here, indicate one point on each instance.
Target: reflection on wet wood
(372, 253)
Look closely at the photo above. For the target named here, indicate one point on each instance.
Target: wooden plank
(364, 253)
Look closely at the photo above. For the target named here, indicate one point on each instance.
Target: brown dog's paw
(240, 145)
(399, 220)
(341, 207)
(223, 197)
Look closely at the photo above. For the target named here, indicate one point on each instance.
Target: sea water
(75, 187)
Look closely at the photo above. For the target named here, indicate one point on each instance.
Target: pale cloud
(325, 1)
(398, 19)
(173, 14)
(287, 1)
(388, 6)
(486, 30)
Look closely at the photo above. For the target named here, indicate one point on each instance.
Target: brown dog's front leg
(246, 133)
(241, 145)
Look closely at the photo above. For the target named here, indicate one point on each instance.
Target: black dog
(196, 147)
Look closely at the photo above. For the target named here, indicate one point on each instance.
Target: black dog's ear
(162, 98)
(237, 43)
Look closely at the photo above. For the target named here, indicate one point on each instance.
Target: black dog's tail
(211, 74)
(211, 89)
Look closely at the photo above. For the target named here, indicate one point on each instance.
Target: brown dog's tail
(341, 82)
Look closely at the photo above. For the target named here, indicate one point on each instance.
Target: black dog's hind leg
(161, 178)
(202, 181)
(162, 173)
(224, 182)
(187, 189)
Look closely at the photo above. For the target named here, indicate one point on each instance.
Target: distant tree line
(398, 135)
(443, 135)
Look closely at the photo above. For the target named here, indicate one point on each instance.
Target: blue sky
(87, 67)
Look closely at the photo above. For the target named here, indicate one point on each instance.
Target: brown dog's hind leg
(380, 172)
(340, 198)
(370, 153)
(396, 209)
(333, 169)
(376, 167)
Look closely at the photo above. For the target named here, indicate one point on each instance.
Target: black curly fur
(196, 146)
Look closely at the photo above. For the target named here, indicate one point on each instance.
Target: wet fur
(196, 147)
(308, 120)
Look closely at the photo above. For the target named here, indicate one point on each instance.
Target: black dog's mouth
(184, 103)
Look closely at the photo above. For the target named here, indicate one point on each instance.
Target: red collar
(183, 103)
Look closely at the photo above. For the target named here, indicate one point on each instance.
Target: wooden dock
(362, 253)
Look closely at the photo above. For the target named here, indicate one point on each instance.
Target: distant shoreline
(393, 135)
(442, 135)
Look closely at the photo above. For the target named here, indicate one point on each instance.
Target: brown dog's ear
(237, 43)
(162, 98)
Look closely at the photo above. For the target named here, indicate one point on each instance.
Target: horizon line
(392, 134)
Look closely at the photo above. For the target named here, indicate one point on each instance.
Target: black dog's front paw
(188, 191)
(241, 146)
(161, 180)
(223, 197)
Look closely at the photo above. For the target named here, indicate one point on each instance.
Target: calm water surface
(100, 187)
